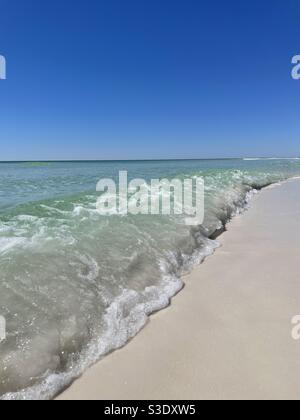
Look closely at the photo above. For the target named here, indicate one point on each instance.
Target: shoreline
(184, 356)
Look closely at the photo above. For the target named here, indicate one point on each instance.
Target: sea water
(75, 285)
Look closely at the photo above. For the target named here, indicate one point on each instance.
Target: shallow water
(75, 285)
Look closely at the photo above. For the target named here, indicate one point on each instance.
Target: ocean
(75, 285)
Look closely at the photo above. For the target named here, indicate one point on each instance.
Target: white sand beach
(227, 334)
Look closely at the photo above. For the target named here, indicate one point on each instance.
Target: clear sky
(116, 79)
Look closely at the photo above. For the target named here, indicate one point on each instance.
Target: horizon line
(145, 160)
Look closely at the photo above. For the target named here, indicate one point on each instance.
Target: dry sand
(227, 335)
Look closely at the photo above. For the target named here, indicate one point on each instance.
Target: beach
(227, 334)
(149, 202)
(77, 285)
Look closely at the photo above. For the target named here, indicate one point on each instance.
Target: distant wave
(273, 158)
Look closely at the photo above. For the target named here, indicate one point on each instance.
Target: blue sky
(116, 79)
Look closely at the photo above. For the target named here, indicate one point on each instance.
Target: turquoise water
(75, 285)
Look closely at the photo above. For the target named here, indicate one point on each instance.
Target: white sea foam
(6, 244)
